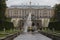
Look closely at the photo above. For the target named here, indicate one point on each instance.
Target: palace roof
(31, 6)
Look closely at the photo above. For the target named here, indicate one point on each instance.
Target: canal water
(32, 36)
(29, 35)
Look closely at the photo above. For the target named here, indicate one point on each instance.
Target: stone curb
(54, 37)
(11, 36)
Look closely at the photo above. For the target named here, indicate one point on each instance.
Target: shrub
(6, 25)
(55, 25)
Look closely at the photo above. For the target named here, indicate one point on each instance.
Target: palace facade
(40, 15)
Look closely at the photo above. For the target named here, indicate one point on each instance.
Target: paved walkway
(29, 36)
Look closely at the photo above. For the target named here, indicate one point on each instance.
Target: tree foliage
(57, 12)
(2, 9)
(3, 23)
(55, 20)
(55, 25)
(7, 25)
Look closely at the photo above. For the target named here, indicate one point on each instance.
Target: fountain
(28, 23)
(15, 21)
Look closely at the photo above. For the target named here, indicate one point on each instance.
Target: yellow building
(40, 14)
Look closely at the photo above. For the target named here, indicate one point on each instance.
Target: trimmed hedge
(6, 25)
(55, 25)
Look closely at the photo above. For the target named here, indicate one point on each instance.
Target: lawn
(3, 35)
(7, 32)
(52, 32)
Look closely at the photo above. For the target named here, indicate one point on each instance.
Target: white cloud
(41, 2)
(58, 1)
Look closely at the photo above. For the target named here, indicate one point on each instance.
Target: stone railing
(11, 36)
(53, 37)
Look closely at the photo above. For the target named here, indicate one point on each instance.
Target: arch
(33, 24)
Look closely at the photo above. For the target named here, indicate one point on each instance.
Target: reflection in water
(29, 36)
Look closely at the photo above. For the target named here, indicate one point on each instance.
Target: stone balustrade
(10, 37)
(54, 37)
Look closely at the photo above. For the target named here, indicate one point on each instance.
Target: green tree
(2, 9)
(57, 12)
(55, 20)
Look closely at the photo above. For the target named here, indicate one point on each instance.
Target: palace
(40, 15)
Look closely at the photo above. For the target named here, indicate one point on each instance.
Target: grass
(7, 32)
(57, 33)
(3, 35)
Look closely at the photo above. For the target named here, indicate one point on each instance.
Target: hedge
(6, 25)
(55, 25)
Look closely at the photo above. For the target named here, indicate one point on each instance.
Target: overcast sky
(34, 2)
